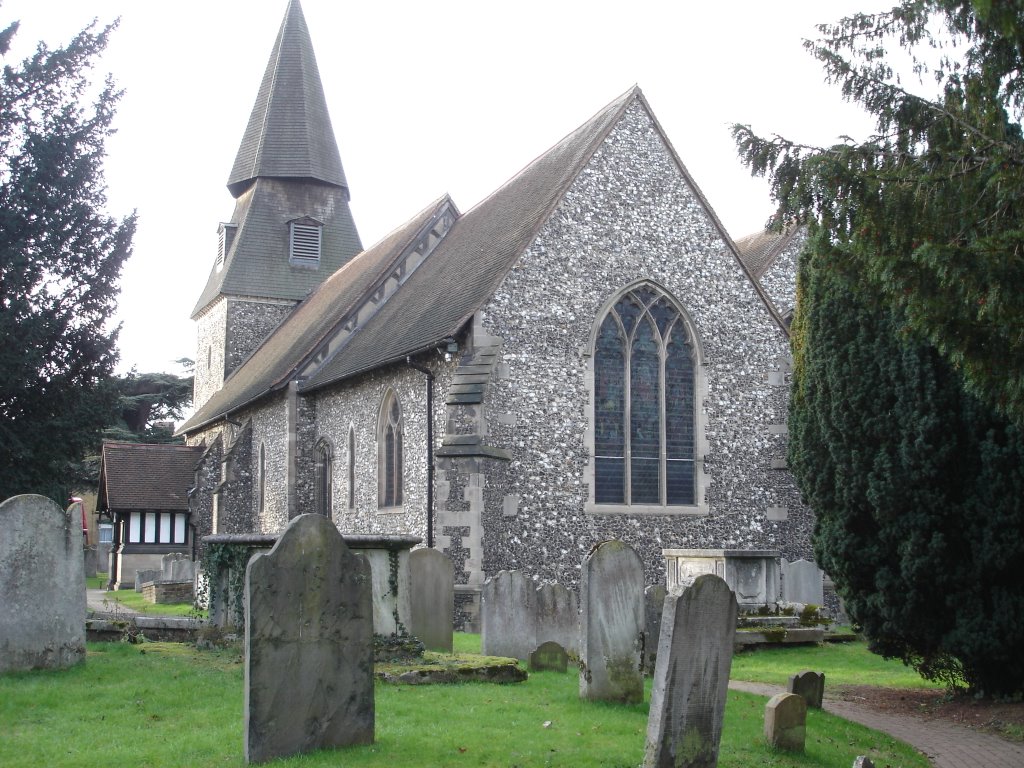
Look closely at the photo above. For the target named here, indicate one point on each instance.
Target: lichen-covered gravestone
(654, 604)
(785, 722)
(549, 657)
(556, 616)
(810, 685)
(612, 624)
(309, 644)
(42, 586)
(691, 678)
(431, 599)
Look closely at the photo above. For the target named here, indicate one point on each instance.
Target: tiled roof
(272, 363)
(257, 263)
(289, 133)
(467, 266)
(145, 476)
(759, 250)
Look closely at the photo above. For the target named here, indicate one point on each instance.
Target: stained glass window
(391, 458)
(323, 478)
(644, 404)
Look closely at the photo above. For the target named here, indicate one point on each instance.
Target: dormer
(304, 241)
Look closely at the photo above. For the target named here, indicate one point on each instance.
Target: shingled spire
(291, 228)
(289, 133)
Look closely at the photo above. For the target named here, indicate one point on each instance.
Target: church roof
(474, 256)
(146, 476)
(289, 133)
(759, 250)
(272, 363)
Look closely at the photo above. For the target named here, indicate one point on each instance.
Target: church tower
(291, 227)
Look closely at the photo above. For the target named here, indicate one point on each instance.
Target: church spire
(289, 133)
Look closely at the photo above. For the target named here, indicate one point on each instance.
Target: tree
(60, 261)
(931, 207)
(917, 485)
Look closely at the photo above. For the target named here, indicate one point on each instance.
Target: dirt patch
(1004, 719)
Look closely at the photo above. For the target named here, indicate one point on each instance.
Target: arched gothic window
(351, 468)
(261, 481)
(389, 442)
(644, 404)
(323, 478)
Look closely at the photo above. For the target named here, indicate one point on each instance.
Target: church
(586, 354)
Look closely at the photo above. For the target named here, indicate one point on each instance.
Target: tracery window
(390, 452)
(644, 403)
(323, 479)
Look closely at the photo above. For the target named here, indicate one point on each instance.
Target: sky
(425, 99)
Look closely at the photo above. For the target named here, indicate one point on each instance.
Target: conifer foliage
(931, 207)
(917, 485)
(60, 261)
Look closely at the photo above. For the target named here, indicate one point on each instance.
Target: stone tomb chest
(753, 574)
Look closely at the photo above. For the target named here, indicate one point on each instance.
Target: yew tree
(61, 256)
(930, 207)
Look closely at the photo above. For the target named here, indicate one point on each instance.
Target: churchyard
(313, 674)
(167, 704)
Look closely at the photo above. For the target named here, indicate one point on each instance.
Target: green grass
(165, 704)
(99, 581)
(134, 600)
(842, 663)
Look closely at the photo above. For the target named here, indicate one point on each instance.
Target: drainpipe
(430, 448)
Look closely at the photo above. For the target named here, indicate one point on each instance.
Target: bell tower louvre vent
(225, 236)
(304, 242)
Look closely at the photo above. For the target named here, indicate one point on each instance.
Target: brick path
(945, 744)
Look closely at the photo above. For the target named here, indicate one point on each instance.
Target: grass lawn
(843, 664)
(129, 598)
(166, 704)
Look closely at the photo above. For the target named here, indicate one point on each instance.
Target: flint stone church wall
(630, 215)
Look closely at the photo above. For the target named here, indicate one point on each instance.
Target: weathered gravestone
(654, 604)
(803, 582)
(810, 685)
(549, 657)
(432, 598)
(309, 644)
(612, 624)
(691, 678)
(506, 607)
(785, 722)
(42, 588)
(144, 576)
(177, 566)
(556, 616)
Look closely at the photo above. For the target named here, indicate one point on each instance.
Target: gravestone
(309, 644)
(803, 582)
(177, 566)
(612, 624)
(91, 562)
(550, 657)
(506, 607)
(654, 603)
(785, 722)
(691, 678)
(432, 599)
(146, 576)
(810, 685)
(862, 761)
(556, 616)
(42, 589)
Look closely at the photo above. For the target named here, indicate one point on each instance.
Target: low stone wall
(163, 629)
(163, 592)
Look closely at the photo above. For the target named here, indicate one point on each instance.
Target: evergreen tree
(917, 485)
(931, 207)
(60, 261)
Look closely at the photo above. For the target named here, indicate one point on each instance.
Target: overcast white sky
(425, 98)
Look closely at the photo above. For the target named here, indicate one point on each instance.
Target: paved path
(99, 601)
(945, 744)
